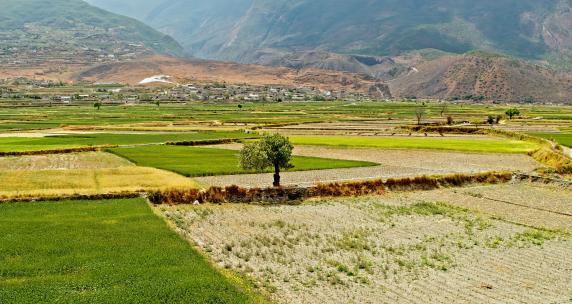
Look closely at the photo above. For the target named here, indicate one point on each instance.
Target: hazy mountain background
(268, 30)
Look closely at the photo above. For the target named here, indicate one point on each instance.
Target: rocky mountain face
(481, 76)
(35, 33)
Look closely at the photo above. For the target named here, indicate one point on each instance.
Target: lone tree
(97, 105)
(419, 113)
(272, 151)
(512, 112)
(443, 108)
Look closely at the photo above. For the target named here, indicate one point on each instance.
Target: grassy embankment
(194, 161)
(114, 251)
(464, 145)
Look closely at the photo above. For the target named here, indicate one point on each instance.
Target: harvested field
(394, 163)
(380, 250)
(45, 183)
(489, 145)
(523, 203)
(74, 161)
(366, 128)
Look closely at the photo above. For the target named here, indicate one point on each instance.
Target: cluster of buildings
(57, 92)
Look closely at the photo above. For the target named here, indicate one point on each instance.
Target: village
(42, 92)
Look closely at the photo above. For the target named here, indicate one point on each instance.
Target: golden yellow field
(26, 183)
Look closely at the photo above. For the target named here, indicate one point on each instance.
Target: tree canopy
(272, 151)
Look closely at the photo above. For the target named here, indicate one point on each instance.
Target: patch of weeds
(334, 279)
(176, 217)
(494, 242)
(354, 240)
(203, 213)
(406, 263)
(536, 237)
(340, 267)
(363, 280)
(532, 236)
(437, 260)
(457, 214)
(363, 263)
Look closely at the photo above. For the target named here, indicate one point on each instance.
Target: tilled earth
(393, 163)
(523, 203)
(389, 249)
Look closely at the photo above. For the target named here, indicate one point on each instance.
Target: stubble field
(382, 250)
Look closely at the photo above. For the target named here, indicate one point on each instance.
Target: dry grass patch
(74, 161)
(555, 159)
(366, 249)
(30, 183)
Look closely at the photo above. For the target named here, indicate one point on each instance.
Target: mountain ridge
(36, 32)
(235, 29)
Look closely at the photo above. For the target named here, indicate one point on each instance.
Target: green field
(18, 118)
(113, 251)
(465, 145)
(564, 139)
(194, 161)
(19, 144)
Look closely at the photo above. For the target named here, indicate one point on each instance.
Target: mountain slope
(36, 32)
(185, 70)
(237, 29)
(492, 77)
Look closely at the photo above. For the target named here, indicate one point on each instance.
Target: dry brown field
(400, 248)
(393, 163)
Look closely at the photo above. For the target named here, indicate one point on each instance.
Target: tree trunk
(276, 176)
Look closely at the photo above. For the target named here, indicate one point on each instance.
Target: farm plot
(393, 163)
(48, 183)
(20, 144)
(114, 251)
(382, 250)
(564, 138)
(466, 145)
(88, 160)
(194, 161)
(524, 203)
(80, 173)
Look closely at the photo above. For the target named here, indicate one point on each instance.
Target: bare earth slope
(496, 78)
(204, 70)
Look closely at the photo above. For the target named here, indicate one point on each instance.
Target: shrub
(279, 195)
